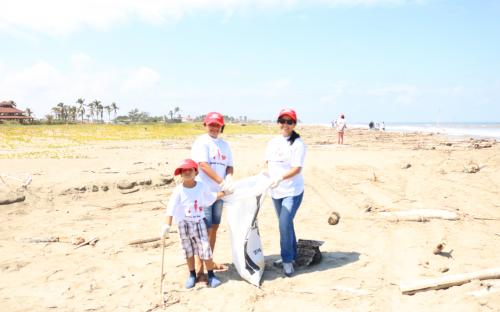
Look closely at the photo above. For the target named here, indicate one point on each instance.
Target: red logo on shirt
(196, 205)
(219, 155)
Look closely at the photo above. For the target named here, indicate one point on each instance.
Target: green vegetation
(58, 136)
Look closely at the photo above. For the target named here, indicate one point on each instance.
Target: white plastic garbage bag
(242, 208)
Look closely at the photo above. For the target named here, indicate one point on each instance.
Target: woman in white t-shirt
(216, 168)
(285, 158)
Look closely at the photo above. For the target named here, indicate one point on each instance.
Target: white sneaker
(288, 268)
(278, 263)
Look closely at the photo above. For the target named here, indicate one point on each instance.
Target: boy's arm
(165, 227)
(172, 204)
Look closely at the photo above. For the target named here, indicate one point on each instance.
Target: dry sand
(365, 259)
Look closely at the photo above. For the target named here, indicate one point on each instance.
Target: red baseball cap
(214, 118)
(186, 164)
(288, 112)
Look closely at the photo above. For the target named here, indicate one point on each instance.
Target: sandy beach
(112, 191)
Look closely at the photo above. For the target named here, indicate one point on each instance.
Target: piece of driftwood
(54, 239)
(129, 191)
(41, 240)
(144, 241)
(11, 198)
(448, 281)
(92, 242)
(419, 215)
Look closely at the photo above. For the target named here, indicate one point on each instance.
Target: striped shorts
(194, 239)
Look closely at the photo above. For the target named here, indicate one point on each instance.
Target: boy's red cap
(214, 118)
(288, 112)
(186, 164)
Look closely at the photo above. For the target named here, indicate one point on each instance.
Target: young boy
(186, 208)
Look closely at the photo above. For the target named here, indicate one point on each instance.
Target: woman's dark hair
(293, 137)
(221, 129)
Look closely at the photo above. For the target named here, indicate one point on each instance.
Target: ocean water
(473, 130)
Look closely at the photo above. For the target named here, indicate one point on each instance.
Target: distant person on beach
(215, 160)
(383, 126)
(285, 155)
(186, 208)
(341, 126)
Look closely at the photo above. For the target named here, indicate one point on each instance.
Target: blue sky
(391, 60)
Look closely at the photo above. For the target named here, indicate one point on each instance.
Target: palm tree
(108, 109)
(97, 108)
(92, 108)
(81, 107)
(61, 111)
(100, 109)
(114, 108)
(28, 112)
(81, 111)
(171, 113)
(73, 111)
(177, 111)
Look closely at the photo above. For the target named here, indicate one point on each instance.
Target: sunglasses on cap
(286, 121)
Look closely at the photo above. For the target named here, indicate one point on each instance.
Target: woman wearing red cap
(216, 168)
(285, 158)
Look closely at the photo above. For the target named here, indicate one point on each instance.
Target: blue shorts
(213, 213)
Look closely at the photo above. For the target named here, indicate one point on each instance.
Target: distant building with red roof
(8, 111)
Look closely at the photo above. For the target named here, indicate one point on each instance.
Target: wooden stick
(448, 281)
(420, 214)
(42, 240)
(95, 239)
(143, 241)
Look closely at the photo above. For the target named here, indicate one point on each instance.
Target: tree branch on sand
(448, 281)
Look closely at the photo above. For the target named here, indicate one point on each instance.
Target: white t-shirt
(341, 124)
(188, 203)
(215, 152)
(281, 157)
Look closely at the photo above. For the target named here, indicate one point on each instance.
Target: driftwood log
(92, 242)
(448, 281)
(10, 198)
(144, 241)
(419, 215)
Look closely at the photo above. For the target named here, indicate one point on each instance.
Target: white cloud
(41, 85)
(276, 87)
(392, 90)
(334, 93)
(81, 60)
(278, 84)
(141, 79)
(62, 17)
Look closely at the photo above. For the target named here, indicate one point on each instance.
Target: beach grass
(60, 136)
